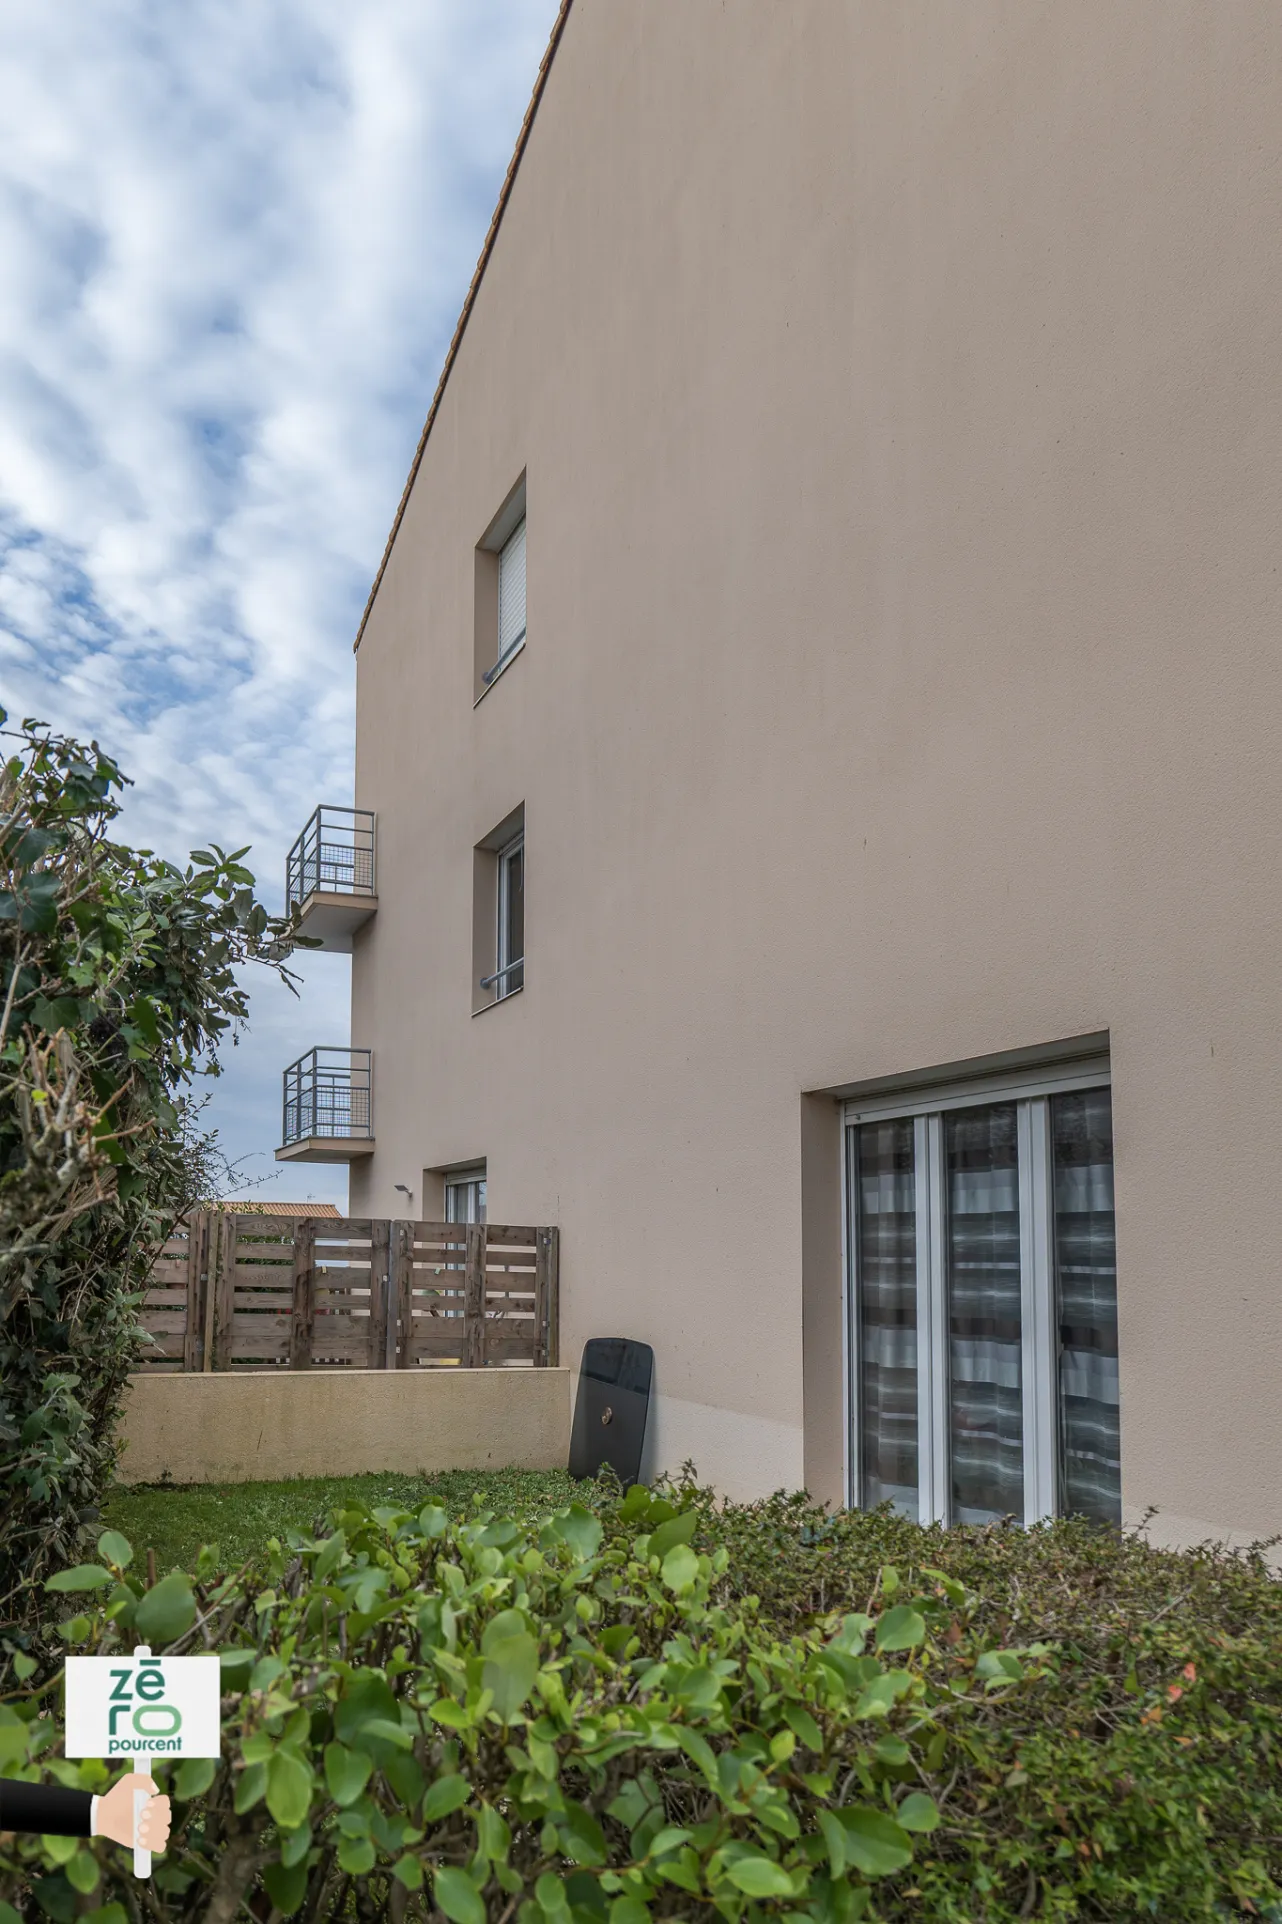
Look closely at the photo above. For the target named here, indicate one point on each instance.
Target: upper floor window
(511, 594)
(500, 592)
(511, 917)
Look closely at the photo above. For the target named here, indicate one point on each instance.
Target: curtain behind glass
(886, 1266)
(1086, 1282)
(985, 1396)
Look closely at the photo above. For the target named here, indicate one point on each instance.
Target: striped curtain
(1086, 1306)
(886, 1239)
(985, 1391)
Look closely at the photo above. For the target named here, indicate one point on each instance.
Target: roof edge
(540, 82)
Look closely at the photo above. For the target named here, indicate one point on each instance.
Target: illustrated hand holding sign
(141, 1707)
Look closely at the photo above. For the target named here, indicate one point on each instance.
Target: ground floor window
(465, 1196)
(983, 1304)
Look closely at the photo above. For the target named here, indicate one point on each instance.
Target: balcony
(328, 1112)
(329, 876)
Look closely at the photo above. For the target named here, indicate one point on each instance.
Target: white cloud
(234, 239)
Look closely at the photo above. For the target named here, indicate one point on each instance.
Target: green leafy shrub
(559, 1721)
(671, 1709)
(118, 980)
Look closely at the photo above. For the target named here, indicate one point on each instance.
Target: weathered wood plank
(197, 1287)
(547, 1294)
(380, 1257)
(303, 1308)
(474, 1297)
(224, 1289)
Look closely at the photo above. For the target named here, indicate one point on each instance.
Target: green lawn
(175, 1520)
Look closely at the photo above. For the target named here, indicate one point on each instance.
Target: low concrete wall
(234, 1428)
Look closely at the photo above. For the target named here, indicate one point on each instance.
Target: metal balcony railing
(328, 1094)
(334, 855)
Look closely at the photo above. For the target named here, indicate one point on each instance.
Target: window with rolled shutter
(512, 592)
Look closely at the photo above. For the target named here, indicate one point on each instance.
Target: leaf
(331, 1553)
(900, 1629)
(447, 1794)
(457, 1896)
(678, 1529)
(834, 1835)
(366, 1699)
(918, 1812)
(408, 1871)
(800, 1721)
(82, 1872)
(759, 1877)
(578, 1529)
(356, 1855)
(511, 1662)
(875, 1843)
(193, 1778)
(346, 1773)
(166, 1611)
(85, 1576)
(581, 1834)
(286, 1886)
(289, 1787)
(680, 1569)
(115, 1549)
(629, 1910)
(549, 1895)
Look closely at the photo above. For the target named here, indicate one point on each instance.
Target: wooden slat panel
(474, 1297)
(223, 1289)
(169, 1272)
(165, 1322)
(197, 1288)
(267, 1225)
(165, 1299)
(547, 1347)
(505, 1233)
(303, 1307)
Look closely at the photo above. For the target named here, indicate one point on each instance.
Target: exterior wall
(235, 1427)
(898, 385)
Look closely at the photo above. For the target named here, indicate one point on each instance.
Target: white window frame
(503, 655)
(462, 1180)
(1031, 1090)
(506, 964)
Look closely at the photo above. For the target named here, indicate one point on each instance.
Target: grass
(175, 1520)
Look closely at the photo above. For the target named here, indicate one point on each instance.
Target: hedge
(662, 1709)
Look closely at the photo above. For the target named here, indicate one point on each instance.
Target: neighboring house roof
(270, 1207)
(483, 261)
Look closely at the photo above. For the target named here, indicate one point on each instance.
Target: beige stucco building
(875, 406)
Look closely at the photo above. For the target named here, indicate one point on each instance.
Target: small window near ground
(465, 1196)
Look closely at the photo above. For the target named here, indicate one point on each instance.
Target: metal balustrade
(328, 1096)
(334, 855)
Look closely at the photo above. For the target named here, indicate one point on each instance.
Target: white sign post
(143, 1708)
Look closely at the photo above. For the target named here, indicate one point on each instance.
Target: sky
(234, 240)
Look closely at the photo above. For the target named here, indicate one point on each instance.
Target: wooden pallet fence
(233, 1292)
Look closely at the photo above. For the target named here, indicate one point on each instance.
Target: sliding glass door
(983, 1293)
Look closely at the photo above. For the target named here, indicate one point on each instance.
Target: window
(465, 1196)
(498, 913)
(510, 946)
(500, 592)
(983, 1302)
(511, 597)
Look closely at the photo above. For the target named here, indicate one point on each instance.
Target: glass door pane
(885, 1233)
(1086, 1292)
(983, 1278)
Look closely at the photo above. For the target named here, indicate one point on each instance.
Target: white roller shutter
(512, 591)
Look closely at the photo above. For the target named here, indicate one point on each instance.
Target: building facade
(849, 906)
